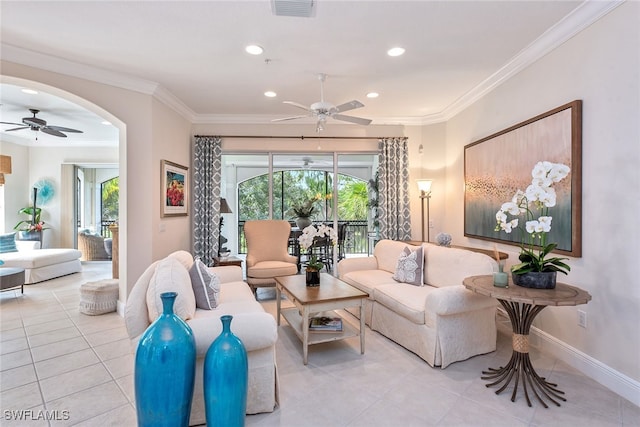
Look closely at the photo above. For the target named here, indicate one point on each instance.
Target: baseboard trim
(120, 308)
(605, 375)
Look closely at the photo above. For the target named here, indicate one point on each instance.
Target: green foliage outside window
(290, 187)
(110, 197)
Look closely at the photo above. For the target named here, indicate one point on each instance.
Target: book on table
(325, 324)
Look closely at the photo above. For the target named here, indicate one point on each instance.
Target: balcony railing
(356, 241)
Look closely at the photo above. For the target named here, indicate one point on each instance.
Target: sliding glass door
(270, 185)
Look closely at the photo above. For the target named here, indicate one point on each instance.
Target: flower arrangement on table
(534, 204)
(307, 237)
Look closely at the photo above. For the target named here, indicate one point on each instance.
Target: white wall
(171, 141)
(600, 66)
(17, 184)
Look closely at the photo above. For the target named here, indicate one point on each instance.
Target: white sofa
(256, 329)
(442, 321)
(42, 264)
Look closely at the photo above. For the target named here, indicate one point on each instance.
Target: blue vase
(226, 375)
(165, 370)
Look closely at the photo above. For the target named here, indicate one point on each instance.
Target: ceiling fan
(34, 123)
(323, 110)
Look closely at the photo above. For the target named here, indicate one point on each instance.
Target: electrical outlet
(582, 318)
(430, 224)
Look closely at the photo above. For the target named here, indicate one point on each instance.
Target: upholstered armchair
(267, 252)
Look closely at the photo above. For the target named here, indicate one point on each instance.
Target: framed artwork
(497, 166)
(175, 189)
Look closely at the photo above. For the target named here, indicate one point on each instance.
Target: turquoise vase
(226, 374)
(165, 370)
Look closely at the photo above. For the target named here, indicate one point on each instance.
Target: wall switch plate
(582, 318)
(430, 224)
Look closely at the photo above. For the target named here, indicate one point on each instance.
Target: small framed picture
(174, 183)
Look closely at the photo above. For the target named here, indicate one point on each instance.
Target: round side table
(522, 306)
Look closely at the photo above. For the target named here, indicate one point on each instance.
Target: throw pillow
(8, 243)
(171, 276)
(410, 267)
(206, 285)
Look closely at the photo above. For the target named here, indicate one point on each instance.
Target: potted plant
(31, 229)
(302, 211)
(535, 269)
(306, 239)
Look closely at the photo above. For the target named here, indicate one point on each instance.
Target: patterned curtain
(207, 165)
(393, 189)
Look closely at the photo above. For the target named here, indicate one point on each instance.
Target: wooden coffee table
(332, 294)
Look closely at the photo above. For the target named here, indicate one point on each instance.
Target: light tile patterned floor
(56, 360)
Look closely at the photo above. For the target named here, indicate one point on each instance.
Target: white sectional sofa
(441, 321)
(42, 264)
(256, 329)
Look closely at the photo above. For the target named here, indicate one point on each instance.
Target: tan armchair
(267, 252)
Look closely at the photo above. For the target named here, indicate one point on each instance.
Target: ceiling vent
(299, 8)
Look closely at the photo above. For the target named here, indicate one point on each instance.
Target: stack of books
(325, 324)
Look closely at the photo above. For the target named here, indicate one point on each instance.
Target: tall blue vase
(165, 370)
(226, 375)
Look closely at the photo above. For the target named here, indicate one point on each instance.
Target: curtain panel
(393, 187)
(207, 178)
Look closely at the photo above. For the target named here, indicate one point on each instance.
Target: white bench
(43, 264)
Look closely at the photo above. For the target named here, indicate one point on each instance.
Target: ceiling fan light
(270, 94)
(373, 95)
(395, 51)
(254, 49)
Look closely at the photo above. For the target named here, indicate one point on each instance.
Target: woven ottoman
(99, 297)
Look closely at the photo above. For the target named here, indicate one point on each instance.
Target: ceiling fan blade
(53, 132)
(22, 127)
(63, 129)
(295, 104)
(351, 105)
(11, 123)
(289, 118)
(352, 119)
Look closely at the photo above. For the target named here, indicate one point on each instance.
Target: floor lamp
(424, 185)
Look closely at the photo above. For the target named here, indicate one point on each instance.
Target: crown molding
(88, 72)
(75, 69)
(580, 18)
(172, 101)
(268, 119)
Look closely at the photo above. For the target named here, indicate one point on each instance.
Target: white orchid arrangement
(307, 237)
(538, 197)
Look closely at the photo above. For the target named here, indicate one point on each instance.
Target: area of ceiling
(191, 54)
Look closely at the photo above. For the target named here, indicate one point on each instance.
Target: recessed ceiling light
(106, 123)
(254, 49)
(372, 95)
(395, 51)
(30, 91)
(270, 94)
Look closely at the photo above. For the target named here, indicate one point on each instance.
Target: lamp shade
(5, 164)
(224, 206)
(424, 185)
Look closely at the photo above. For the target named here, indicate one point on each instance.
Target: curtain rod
(299, 137)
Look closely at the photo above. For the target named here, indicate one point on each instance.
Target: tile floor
(79, 369)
